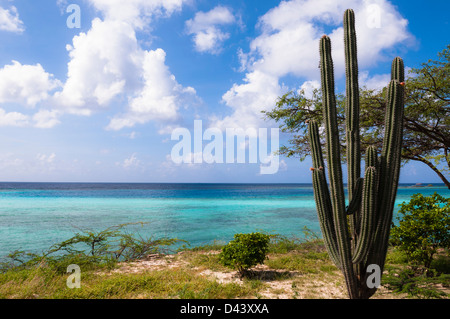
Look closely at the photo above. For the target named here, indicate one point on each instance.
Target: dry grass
(305, 272)
(267, 282)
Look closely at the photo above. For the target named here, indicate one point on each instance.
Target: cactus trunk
(356, 236)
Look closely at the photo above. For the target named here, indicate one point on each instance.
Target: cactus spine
(356, 236)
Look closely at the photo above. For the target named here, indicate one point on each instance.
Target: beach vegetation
(91, 249)
(423, 228)
(245, 251)
(294, 268)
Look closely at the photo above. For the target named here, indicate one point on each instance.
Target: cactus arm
(314, 141)
(371, 157)
(389, 168)
(355, 201)
(398, 70)
(334, 166)
(322, 194)
(352, 101)
(367, 215)
(369, 207)
(324, 210)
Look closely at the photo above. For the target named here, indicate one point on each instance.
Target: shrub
(91, 250)
(245, 251)
(424, 227)
(416, 285)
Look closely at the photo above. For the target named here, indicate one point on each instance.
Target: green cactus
(356, 236)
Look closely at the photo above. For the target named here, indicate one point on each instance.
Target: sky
(118, 91)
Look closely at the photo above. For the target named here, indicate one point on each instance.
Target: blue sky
(99, 103)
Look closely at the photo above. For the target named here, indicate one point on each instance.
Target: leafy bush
(245, 251)
(424, 227)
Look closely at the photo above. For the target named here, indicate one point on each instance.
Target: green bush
(245, 251)
(423, 228)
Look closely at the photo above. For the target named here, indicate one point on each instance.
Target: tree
(423, 228)
(426, 136)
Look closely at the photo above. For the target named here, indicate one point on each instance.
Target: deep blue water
(33, 216)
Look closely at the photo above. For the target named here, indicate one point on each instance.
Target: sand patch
(274, 283)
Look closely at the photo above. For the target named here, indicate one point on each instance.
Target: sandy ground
(293, 285)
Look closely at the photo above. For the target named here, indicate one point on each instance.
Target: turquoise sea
(33, 216)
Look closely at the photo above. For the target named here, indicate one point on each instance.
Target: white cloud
(204, 27)
(107, 64)
(46, 118)
(104, 61)
(137, 13)
(25, 84)
(9, 20)
(259, 92)
(130, 162)
(9, 162)
(46, 158)
(376, 82)
(13, 118)
(308, 87)
(158, 99)
(132, 135)
(289, 44)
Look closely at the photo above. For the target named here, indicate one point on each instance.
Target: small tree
(424, 227)
(245, 252)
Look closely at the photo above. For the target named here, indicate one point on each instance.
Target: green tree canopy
(426, 135)
(423, 228)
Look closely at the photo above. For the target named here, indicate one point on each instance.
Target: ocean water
(34, 216)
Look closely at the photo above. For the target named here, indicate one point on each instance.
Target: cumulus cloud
(104, 61)
(137, 13)
(13, 118)
(46, 118)
(308, 88)
(258, 92)
(204, 28)
(25, 84)
(159, 98)
(376, 82)
(288, 45)
(9, 20)
(107, 63)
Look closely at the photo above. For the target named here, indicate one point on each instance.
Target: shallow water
(33, 216)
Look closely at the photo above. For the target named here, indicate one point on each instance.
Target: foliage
(283, 244)
(245, 251)
(426, 136)
(415, 285)
(91, 249)
(423, 228)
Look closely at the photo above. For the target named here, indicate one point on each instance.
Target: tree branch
(429, 164)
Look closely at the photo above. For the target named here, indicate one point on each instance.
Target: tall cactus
(356, 236)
